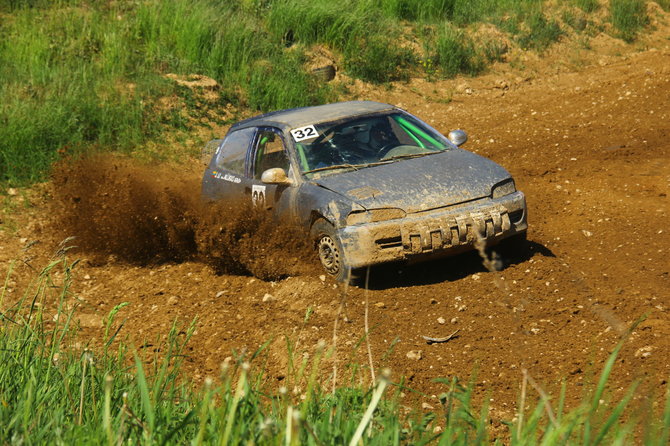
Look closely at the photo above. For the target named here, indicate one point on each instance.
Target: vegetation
(80, 75)
(587, 5)
(54, 392)
(629, 17)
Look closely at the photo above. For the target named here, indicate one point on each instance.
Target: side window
(234, 150)
(269, 153)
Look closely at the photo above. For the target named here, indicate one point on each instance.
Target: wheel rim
(329, 255)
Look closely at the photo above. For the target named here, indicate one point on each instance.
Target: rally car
(371, 182)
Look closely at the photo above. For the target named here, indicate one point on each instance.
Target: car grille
(439, 233)
(389, 242)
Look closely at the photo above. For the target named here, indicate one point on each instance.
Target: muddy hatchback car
(370, 182)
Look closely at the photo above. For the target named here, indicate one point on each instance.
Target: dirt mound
(120, 210)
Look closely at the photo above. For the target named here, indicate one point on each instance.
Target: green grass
(587, 5)
(541, 32)
(367, 39)
(53, 391)
(628, 17)
(455, 53)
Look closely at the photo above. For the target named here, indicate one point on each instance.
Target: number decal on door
(307, 132)
(258, 196)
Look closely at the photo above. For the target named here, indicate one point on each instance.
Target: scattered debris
(430, 340)
(414, 355)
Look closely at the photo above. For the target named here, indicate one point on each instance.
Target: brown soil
(589, 147)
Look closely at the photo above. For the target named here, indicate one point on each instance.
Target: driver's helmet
(379, 135)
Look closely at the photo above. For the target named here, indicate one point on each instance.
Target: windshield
(329, 148)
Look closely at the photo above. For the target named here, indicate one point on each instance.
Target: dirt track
(591, 150)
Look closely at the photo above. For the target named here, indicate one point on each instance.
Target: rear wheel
(330, 252)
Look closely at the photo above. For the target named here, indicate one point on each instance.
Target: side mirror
(458, 137)
(209, 150)
(276, 175)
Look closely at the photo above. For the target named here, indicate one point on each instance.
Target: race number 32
(306, 132)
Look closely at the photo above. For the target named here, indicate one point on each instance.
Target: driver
(380, 137)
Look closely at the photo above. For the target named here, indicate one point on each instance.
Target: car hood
(418, 184)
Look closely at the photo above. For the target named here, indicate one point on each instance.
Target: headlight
(503, 188)
(374, 215)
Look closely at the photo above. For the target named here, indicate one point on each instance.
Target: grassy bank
(77, 75)
(54, 391)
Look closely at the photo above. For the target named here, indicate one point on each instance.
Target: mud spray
(120, 210)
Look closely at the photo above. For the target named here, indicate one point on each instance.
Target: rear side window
(234, 150)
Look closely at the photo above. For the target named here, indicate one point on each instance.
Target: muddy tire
(330, 252)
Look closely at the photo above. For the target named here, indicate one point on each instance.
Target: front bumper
(443, 231)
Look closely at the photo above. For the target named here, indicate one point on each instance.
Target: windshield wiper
(411, 155)
(395, 158)
(335, 166)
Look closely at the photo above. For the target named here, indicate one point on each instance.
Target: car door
(270, 151)
(225, 176)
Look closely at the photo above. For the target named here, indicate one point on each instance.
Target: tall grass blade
(615, 415)
(107, 411)
(367, 417)
(147, 403)
(232, 409)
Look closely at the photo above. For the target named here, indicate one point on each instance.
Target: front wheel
(330, 252)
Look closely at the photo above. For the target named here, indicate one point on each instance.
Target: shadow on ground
(449, 269)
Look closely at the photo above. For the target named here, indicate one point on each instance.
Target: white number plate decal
(302, 133)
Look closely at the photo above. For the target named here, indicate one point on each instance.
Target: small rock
(11, 191)
(90, 321)
(322, 277)
(502, 83)
(380, 305)
(87, 277)
(268, 298)
(587, 233)
(220, 293)
(437, 429)
(454, 320)
(23, 240)
(645, 351)
(427, 406)
(441, 320)
(414, 355)
(172, 300)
